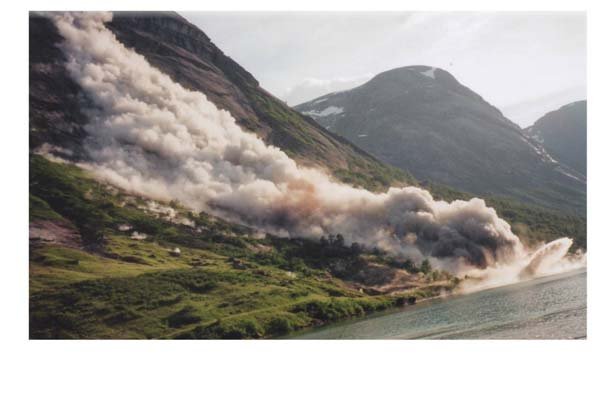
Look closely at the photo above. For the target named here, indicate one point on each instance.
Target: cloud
(506, 57)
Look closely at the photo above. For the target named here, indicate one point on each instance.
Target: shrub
(279, 326)
(230, 329)
(425, 266)
(185, 316)
(331, 310)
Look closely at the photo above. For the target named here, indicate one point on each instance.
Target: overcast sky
(526, 64)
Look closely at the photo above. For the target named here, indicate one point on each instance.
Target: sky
(526, 64)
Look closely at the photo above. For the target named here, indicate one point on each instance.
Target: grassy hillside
(91, 278)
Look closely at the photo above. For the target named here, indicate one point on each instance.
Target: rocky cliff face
(179, 49)
(56, 102)
(422, 119)
(563, 134)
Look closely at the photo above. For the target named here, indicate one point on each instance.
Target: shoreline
(424, 302)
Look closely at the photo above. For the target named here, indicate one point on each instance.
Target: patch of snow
(331, 110)
(564, 172)
(534, 134)
(545, 156)
(362, 135)
(320, 100)
(540, 151)
(429, 73)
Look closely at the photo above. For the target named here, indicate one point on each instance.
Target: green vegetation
(375, 176)
(75, 294)
(39, 209)
(225, 282)
(425, 266)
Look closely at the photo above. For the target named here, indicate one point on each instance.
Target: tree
(323, 242)
(356, 248)
(425, 266)
(339, 240)
(410, 266)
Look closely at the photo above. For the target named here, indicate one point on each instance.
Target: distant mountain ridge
(421, 119)
(563, 134)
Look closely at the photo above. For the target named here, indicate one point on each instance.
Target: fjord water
(552, 307)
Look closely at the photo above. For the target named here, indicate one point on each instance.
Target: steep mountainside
(56, 115)
(57, 110)
(563, 134)
(179, 49)
(423, 120)
(105, 263)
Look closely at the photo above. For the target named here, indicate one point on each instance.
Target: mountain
(106, 262)
(563, 134)
(422, 119)
(58, 112)
(182, 51)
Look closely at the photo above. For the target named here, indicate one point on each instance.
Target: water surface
(553, 307)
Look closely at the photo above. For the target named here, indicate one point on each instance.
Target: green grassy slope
(227, 282)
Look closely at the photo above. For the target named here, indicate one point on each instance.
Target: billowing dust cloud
(153, 137)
